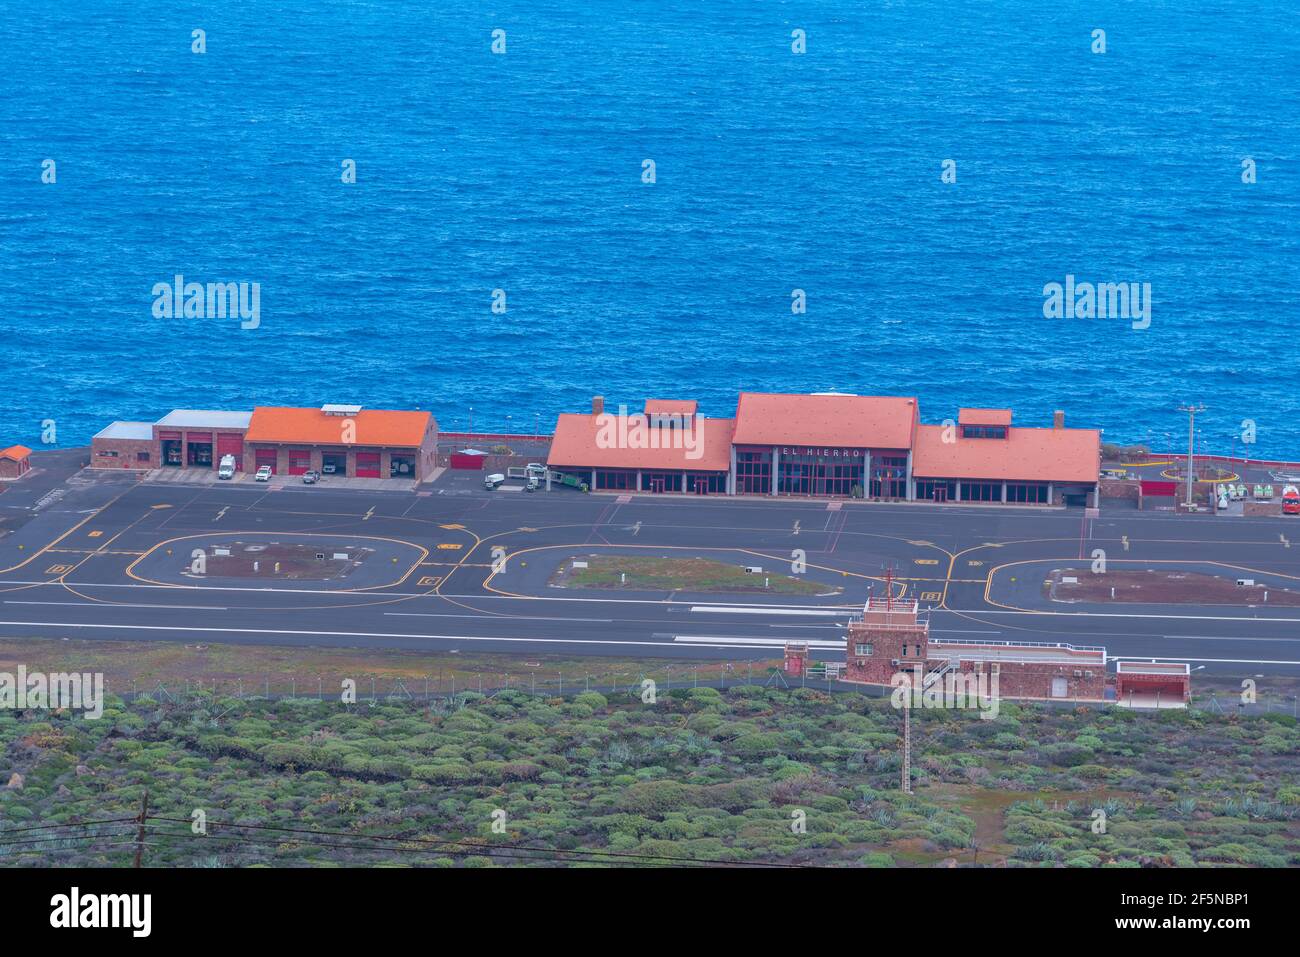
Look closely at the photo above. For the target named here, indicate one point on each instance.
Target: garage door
(299, 461)
(266, 457)
(367, 465)
(1060, 688)
(231, 445)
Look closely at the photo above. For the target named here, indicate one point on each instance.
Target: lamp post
(1191, 411)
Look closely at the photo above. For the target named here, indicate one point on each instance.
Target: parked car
(493, 480)
(263, 474)
(533, 485)
(310, 477)
(329, 468)
(226, 470)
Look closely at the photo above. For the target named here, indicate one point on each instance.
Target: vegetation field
(751, 775)
(681, 574)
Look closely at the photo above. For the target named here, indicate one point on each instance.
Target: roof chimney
(597, 404)
(1058, 419)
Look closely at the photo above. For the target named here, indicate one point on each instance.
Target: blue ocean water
(775, 172)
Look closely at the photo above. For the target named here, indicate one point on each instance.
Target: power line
(42, 827)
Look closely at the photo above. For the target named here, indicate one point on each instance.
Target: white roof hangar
(204, 419)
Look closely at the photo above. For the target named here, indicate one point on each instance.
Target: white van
(226, 470)
(493, 480)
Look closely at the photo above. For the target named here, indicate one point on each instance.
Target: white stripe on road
(760, 610)
(115, 604)
(662, 645)
(1229, 661)
(758, 642)
(488, 614)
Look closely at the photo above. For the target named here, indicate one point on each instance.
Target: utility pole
(1191, 411)
(139, 833)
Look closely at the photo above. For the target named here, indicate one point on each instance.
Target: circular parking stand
(260, 560)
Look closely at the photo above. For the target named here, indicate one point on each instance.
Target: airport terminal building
(830, 445)
(343, 440)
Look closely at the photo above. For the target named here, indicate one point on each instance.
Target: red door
(266, 457)
(299, 461)
(231, 445)
(367, 465)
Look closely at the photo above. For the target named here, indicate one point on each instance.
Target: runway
(455, 567)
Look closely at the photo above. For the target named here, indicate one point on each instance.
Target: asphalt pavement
(455, 567)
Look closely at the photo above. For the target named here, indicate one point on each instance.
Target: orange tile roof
(852, 421)
(1030, 455)
(15, 452)
(983, 416)
(577, 443)
(671, 406)
(313, 427)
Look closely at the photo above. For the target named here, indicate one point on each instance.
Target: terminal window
(753, 473)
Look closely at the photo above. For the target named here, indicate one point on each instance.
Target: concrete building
(15, 462)
(199, 438)
(830, 445)
(343, 440)
(124, 445)
(890, 637)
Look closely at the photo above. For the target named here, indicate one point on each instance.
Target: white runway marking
(760, 610)
(342, 634)
(115, 604)
(756, 642)
(1229, 661)
(422, 614)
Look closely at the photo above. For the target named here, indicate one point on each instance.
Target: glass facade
(889, 476)
(984, 431)
(753, 472)
(819, 471)
(706, 483)
(615, 479)
(661, 481)
(981, 491)
(932, 490)
(1035, 492)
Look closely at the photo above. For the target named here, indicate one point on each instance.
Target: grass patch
(681, 574)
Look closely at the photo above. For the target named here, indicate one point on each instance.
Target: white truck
(226, 470)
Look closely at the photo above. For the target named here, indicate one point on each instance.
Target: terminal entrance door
(656, 483)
